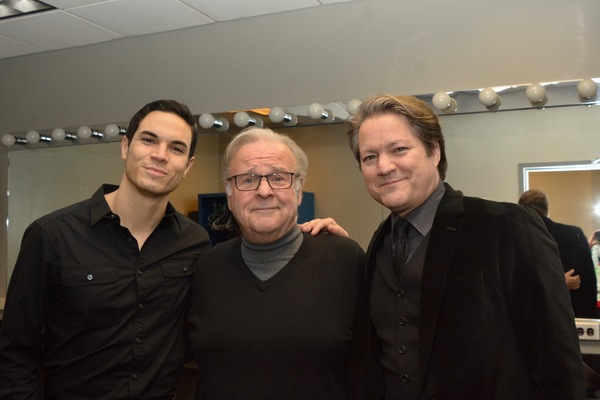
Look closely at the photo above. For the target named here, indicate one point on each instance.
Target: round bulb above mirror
(489, 98)
(443, 102)
(587, 89)
(276, 114)
(352, 106)
(8, 140)
(59, 134)
(84, 132)
(32, 137)
(536, 94)
(112, 131)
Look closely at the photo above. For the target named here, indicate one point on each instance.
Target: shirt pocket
(177, 278)
(90, 297)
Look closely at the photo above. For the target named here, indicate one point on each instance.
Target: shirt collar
(100, 209)
(421, 218)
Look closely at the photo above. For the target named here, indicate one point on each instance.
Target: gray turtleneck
(265, 260)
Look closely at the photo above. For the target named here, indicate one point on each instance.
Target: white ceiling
(85, 22)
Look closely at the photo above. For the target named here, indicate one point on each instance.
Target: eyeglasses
(276, 180)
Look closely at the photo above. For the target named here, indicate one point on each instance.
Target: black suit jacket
(575, 253)
(495, 320)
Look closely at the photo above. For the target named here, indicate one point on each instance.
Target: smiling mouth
(266, 209)
(156, 171)
(389, 183)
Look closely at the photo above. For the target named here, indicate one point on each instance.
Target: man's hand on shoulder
(319, 225)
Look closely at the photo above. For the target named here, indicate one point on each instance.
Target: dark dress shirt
(101, 318)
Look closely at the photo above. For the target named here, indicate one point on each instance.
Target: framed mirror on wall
(572, 188)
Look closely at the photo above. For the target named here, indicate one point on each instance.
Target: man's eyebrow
(154, 135)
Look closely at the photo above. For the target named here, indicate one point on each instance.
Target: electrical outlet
(588, 329)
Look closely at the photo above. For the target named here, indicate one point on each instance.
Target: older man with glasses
(273, 312)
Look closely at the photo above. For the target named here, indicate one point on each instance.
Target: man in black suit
(480, 309)
(574, 254)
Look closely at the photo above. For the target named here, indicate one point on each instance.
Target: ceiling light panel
(13, 8)
(64, 4)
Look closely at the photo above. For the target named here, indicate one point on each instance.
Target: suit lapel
(443, 239)
(375, 243)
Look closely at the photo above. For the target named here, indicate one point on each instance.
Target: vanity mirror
(485, 146)
(572, 188)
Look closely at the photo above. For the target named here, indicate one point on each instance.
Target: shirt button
(141, 306)
(134, 376)
(186, 268)
(405, 379)
(402, 321)
(140, 272)
(138, 340)
(401, 293)
(402, 350)
(90, 277)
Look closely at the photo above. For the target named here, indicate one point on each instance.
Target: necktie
(400, 246)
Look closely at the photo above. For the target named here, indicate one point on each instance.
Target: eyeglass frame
(234, 178)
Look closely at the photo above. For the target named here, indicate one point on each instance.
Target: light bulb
(278, 115)
(352, 106)
(112, 131)
(587, 89)
(8, 140)
(443, 102)
(206, 121)
(59, 134)
(243, 119)
(315, 111)
(536, 94)
(221, 125)
(32, 137)
(84, 132)
(489, 98)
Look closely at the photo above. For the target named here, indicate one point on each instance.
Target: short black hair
(169, 106)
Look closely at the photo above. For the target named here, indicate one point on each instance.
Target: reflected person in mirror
(575, 255)
(96, 303)
(480, 309)
(275, 312)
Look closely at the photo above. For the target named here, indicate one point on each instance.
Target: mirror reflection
(484, 147)
(572, 188)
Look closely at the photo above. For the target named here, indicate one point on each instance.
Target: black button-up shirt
(103, 319)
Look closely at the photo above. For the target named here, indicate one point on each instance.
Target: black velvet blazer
(495, 320)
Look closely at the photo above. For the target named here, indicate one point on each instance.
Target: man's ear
(124, 147)
(189, 166)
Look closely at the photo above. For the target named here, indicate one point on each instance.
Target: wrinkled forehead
(263, 153)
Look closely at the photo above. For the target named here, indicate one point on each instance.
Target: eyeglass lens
(277, 180)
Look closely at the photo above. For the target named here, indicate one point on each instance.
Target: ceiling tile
(62, 4)
(12, 48)
(140, 17)
(54, 30)
(334, 1)
(224, 10)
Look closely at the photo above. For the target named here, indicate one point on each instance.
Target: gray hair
(252, 135)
